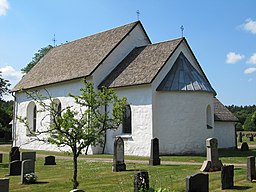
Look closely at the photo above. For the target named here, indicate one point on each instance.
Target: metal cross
(182, 29)
(138, 15)
(54, 40)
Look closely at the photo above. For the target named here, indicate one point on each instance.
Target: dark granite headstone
(251, 174)
(154, 153)
(141, 181)
(197, 183)
(14, 154)
(49, 160)
(118, 157)
(244, 147)
(4, 184)
(28, 155)
(240, 137)
(1, 158)
(77, 190)
(15, 167)
(227, 177)
(28, 166)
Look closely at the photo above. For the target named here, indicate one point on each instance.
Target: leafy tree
(254, 117)
(249, 124)
(4, 86)
(37, 56)
(239, 127)
(81, 126)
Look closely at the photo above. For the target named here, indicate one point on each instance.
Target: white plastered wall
(180, 117)
(225, 133)
(137, 143)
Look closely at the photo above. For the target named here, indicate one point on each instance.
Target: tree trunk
(75, 182)
(104, 142)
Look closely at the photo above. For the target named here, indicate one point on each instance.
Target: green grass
(97, 176)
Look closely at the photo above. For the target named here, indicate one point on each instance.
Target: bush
(30, 178)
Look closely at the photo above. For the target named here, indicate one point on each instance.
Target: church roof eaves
(221, 113)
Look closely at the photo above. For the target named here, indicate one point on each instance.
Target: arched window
(209, 117)
(31, 117)
(127, 120)
(56, 104)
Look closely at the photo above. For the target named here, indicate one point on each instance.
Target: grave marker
(154, 153)
(15, 167)
(118, 157)
(251, 173)
(1, 158)
(4, 184)
(49, 160)
(244, 147)
(141, 181)
(197, 183)
(240, 137)
(28, 166)
(28, 155)
(14, 154)
(227, 177)
(212, 163)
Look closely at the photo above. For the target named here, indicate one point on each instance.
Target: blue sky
(221, 33)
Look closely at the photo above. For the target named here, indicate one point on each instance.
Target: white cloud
(233, 57)
(250, 25)
(9, 73)
(252, 59)
(250, 70)
(4, 6)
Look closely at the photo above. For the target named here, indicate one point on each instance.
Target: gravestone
(244, 147)
(77, 190)
(4, 184)
(28, 166)
(1, 158)
(14, 154)
(240, 137)
(251, 137)
(141, 181)
(15, 167)
(154, 153)
(118, 157)
(197, 183)
(227, 177)
(212, 163)
(251, 173)
(28, 155)
(49, 160)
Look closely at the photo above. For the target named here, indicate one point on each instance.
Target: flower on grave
(30, 178)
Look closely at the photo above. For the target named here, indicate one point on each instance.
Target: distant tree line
(246, 116)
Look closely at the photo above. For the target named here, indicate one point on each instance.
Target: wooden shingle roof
(142, 65)
(75, 59)
(221, 113)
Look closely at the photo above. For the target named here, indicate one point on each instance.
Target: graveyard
(96, 174)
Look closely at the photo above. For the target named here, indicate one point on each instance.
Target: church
(168, 94)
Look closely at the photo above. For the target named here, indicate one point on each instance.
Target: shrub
(30, 178)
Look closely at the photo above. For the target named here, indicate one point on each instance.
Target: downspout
(14, 121)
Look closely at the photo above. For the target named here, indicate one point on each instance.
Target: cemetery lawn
(98, 176)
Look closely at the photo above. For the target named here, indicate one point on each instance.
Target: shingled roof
(142, 65)
(221, 113)
(74, 60)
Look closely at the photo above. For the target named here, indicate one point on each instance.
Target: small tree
(82, 126)
(4, 86)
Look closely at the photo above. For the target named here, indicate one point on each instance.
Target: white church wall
(136, 38)
(225, 133)
(138, 142)
(180, 121)
(59, 91)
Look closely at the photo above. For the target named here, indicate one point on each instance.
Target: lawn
(97, 176)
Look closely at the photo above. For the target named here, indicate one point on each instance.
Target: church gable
(184, 77)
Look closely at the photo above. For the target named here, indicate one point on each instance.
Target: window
(209, 117)
(57, 109)
(127, 120)
(31, 117)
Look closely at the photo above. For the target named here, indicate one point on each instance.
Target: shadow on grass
(240, 188)
(37, 183)
(236, 153)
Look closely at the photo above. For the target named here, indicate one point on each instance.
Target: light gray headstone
(28, 166)
(118, 157)
(4, 184)
(28, 155)
(212, 163)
